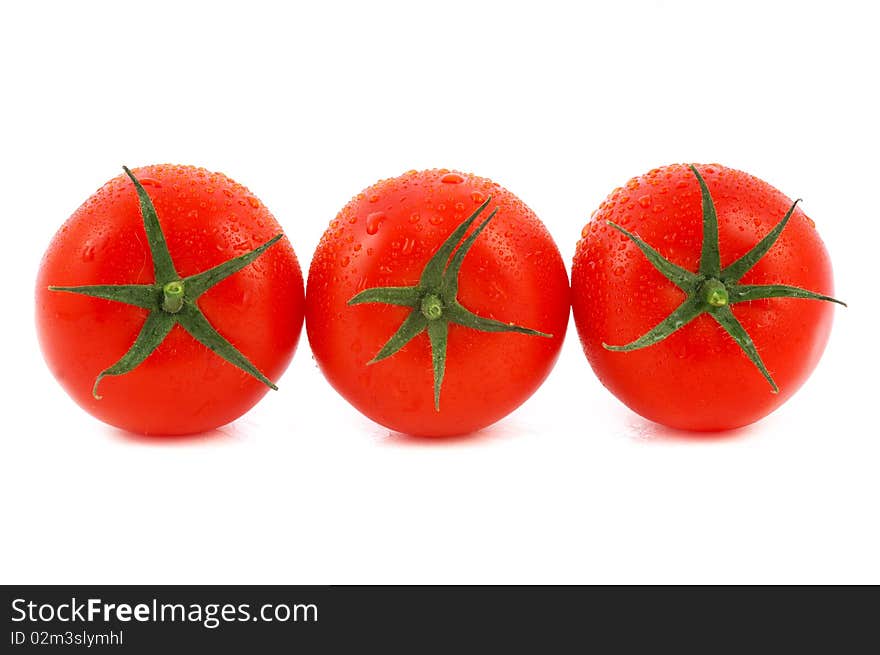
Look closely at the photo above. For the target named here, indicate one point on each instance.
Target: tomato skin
(182, 387)
(513, 273)
(698, 378)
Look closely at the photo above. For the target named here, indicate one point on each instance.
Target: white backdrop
(560, 103)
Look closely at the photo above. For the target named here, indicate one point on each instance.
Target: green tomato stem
(172, 297)
(715, 293)
(432, 307)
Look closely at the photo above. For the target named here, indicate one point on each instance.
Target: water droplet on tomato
(344, 261)
(435, 220)
(477, 197)
(408, 245)
(414, 218)
(645, 201)
(149, 181)
(452, 178)
(253, 202)
(373, 221)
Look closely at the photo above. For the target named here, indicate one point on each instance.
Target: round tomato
(169, 301)
(436, 302)
(700, 296)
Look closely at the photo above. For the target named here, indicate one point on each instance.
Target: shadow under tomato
(504, 429)
(219, 435)
(641, 429)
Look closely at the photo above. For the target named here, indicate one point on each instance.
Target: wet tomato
(436, 302)
(701, 296)
(169, 301)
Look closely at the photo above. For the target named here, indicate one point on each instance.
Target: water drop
(452, 178)
(373, 221)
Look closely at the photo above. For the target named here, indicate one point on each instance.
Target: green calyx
(434, 301)
(712, 290)
(171, 300)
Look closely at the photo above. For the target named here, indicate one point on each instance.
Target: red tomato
(182, 387)
(699, 377)
(511, 278)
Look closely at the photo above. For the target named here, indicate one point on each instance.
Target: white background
(560, 103)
